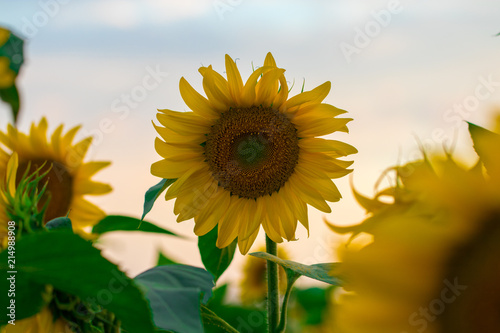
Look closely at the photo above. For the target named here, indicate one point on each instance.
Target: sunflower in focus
(253, 286)
(248, 155)
(433, 262)
(68, 178)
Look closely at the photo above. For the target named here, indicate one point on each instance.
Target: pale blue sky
(83, 57)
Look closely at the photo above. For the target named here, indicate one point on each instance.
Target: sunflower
(432, 264)
(253, 286)
(69, 178)
(248, 155)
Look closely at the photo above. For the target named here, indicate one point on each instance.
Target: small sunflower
(248, 155)
(69, 178)
(253, 286)
(432, 264)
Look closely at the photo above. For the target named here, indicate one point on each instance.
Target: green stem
(273, 307)
(291, 277)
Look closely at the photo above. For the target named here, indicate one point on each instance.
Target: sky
(409, 73)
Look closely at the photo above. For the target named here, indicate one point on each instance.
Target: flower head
(68, 177)
(432, 263)
(247, 155)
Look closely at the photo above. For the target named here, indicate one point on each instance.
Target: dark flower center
(252, 151)
(59, 186)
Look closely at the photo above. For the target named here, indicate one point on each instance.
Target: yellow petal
(91, 187)
(212, 214)
(248, 95)
(269, 60)
(166, 150)
(195, 101)
(282, 95)
(234, 80)
(336, 148)
(170, 169)
(174, 138)
(11, 173)
(246, 244)
(321, 110)
(312, 126)
(184, 123)
(251, 217)
(217, 89)
(288, 219)
(228, 227)
(324, 186)
(56, 139)
(267, 87)
(317, 95)
(309, 194)
(194, 177)
(89, 169)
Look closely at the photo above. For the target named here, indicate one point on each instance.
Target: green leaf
(126, 223)
(486, 144)
(10, 96)
(59, 223)
(153, 193)
(214, 323)
(164, 260)
(320, 272)
(314, 301)
(72, 265)
(215, 260)
(13, 49)
(174, 294)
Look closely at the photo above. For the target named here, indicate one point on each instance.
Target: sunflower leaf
(127, 223)
(215, 260)
(164, 260)
(320, 272)
(174, 293)
(12, 49)
(212, 322)
(72, 265)
(486, 144)
(153, 193)
(59, 223)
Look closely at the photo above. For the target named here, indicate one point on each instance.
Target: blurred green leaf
(153, 193)
(13, 50)
(486, 144)
(320, 272)
(59, 223)
(126, 223)
(72, 265)
(215, 260)
(10, 96)
(164, 260)
(174, 293)
(314, 301)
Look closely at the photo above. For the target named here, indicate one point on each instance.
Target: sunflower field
(266, 174)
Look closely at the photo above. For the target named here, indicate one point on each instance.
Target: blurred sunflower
(433, 262)
(247, 155)
(253, 285)
(69, 178)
